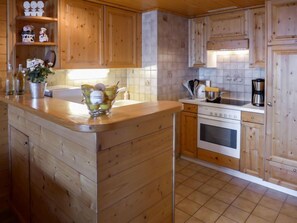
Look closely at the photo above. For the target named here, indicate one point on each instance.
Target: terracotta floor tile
(289, 210)
(180, 216)
(182, 162)
(291, 200)
(223, 176)
(199, 197)
(255, 219)
(271, 203)
(194, 220)
(179, 178)
(207, 189)
(244, 204)
(216, 205)
(216, 183)
(208, 171)
(276, 195)
(178, 198)
(257, 188)
(201, 177)
(187, 172)
(206, 215)
(225, 196)
(236, 214)
(188, 206)
(239, 182)
(224, 219)
(195, 166)
(183, 190)
(192, 183)
(265, 213)
(285, 219)
(233, 189)
(251, 196)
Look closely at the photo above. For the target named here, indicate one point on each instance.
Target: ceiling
(188, 8)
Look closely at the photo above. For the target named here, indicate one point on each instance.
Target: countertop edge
(119, 117)
(247, 108)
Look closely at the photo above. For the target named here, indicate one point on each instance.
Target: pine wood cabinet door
(81, 34)
(257, 37)
(20, 181)
(281, 111)
(228, 26)
(188, 134)
(282, 21)
(197, 42)
(122, 38)
(252, 149)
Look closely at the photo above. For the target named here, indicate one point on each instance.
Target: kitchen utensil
(200, 91)
(196, 83)
(186, 85)
(191, 85)
(213, 94)
(258, 92)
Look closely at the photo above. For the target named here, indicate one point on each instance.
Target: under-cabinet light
(223, 9)
(86, 74)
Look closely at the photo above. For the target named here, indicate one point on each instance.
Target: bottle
(9, 82)
(126, 95)
(20, 81)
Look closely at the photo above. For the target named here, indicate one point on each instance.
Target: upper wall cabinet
(197, 42)
(122, 38)
(228, 26)
(81, 34)
(257, 37)
(282, 21)
(97, 36)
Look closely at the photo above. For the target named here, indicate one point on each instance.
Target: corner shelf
(37, 19)
(36, 44)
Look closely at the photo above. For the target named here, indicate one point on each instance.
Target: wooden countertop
(76, 116)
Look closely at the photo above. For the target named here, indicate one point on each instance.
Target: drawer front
(191, 108)
(252, 117)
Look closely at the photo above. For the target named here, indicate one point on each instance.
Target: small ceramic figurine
(42, 35)
(33, 8)
(26, 8)
(28, 34)
(40, 6)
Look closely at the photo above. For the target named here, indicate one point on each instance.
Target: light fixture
(222, 9)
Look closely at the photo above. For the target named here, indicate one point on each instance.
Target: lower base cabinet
(252, 144)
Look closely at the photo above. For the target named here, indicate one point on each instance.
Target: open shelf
(36, 44)
(38, 19)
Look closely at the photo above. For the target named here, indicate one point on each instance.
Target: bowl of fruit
(99, 98)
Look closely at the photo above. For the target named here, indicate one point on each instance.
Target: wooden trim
(228, 44)
(218, 159)
(190, 108)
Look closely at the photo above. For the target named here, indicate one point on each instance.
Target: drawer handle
(294, 170)
(269, 104)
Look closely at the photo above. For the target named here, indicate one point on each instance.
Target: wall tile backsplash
(232, 75)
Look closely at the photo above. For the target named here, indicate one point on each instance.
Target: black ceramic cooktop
(227, 101)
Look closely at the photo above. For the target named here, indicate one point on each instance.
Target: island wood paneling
(77, 177)
(3, 43)
(58, 169)
(4, 163)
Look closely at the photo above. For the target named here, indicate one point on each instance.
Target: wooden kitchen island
(68, 167)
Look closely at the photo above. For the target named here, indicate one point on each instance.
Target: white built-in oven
(219, 130)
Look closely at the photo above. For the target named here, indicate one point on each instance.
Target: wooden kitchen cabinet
(282, 21)
(197, 42)
(252, 144)
(122, 38)
(188, 123)
(281, 125)
(81, 34)
(97, 36)
(20, 177)
(232, 25)
(257, 37)
(23, 51)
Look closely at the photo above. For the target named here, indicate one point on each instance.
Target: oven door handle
(218, 119)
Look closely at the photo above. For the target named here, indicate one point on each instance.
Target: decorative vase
(37, 89)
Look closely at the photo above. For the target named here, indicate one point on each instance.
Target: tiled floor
(206, 195)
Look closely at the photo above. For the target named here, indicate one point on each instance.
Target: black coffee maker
(258, 92)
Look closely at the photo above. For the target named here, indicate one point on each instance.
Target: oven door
(219, 135)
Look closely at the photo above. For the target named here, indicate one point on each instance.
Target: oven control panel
(219, 112)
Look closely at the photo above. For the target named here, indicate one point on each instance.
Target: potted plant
(37, 77)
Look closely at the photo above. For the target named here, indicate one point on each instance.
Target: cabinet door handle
(269, 104)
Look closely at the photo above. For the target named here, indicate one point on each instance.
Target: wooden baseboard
(218, 159)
